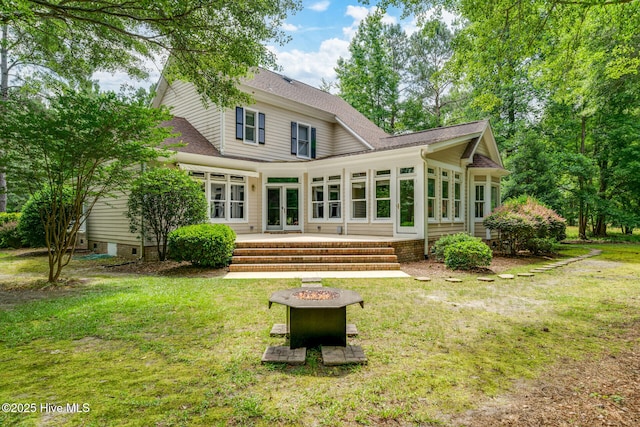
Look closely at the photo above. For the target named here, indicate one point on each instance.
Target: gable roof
(293, 90)
(195, 142)
(432, 136)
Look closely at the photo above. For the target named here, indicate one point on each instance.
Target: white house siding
(108, 222)
(370, 229)
(483, 149)
(435, 231)
(450, 156)
(344, 142)
(185, 102)
(277, 134)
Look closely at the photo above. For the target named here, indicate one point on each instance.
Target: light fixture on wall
(253, 187)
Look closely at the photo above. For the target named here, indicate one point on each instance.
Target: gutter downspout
(425, 203)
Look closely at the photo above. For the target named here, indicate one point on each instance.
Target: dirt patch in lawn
(595, 392)
(164, 268)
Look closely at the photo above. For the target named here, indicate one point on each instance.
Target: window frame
(445, 202)
(359, 178)
(479, 200)
(380, 176)
(328, 184)
(432, 213)
(228, 182)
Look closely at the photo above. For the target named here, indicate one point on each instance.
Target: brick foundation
(409, 250)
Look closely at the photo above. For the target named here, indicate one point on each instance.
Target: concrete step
(314, 259)
(313, 251)
(324, 244)
(350, 266)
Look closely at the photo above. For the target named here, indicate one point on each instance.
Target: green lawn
(154, 351)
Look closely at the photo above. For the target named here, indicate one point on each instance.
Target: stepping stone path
(526, 274)
(453, 280)
(506, 276)
(486, 279)
(423, 279)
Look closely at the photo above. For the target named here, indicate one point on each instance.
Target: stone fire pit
(316, 316)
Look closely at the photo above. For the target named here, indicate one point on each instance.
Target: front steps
(313, 256)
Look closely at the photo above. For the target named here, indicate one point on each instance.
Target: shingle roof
(480, 161)
(432, 136)
(195, 142)
(293, 90)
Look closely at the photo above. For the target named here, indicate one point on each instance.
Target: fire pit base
(280, 330)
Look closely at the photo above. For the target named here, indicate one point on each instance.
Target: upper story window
(250, 126)
(303, 140)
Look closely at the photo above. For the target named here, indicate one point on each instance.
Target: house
(300, 160)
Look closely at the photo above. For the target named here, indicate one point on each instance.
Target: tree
(162, 200)
(369, 80)
(87, 141)
(428, 79)
(211, 44)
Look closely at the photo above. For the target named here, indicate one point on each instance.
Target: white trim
(199, 168)
(353, 133)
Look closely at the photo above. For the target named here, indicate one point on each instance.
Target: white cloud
(290, 27)
(320, 6)
(312, 67)
(359, 13)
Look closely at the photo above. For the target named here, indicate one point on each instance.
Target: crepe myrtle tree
(162, 200)
(81, 146)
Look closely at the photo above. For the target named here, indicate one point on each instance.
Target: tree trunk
(4, 94)
(582, 214)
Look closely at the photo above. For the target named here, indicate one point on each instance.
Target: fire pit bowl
(316, 316)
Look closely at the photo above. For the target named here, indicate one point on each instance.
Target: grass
(145, 351)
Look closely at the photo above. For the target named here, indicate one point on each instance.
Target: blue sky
(320, 34)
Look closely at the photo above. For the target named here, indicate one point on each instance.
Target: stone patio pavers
(284, 354)
(351, 354)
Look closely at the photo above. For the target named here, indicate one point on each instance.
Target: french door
(283, 208)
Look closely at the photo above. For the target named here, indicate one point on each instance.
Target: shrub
(520, 221)
(541, 246)
(38, 208)
(10, 236)
(162, 200)
(467, 255)
(205, 245)
(6, 217)
(445, 241)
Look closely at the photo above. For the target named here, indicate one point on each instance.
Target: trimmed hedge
(204, 245)
(467, 255)
(444, 242)
(6, 217)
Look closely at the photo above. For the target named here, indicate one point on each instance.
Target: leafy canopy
(81, 141)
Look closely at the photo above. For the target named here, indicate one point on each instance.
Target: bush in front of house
(467, 255)
(204, 245)
(524, 223)
(444, 242)
(42, 205)
(162, 200)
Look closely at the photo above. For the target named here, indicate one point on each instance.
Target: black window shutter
(294, 138)
(313, 143)
(239, 123)
(261, 133)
